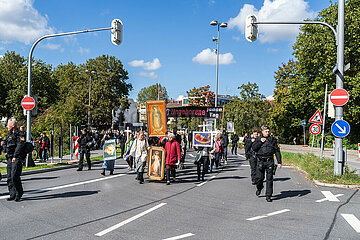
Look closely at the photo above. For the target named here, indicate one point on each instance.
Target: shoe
(198, 179)
(89, 168)
(10, 199)
(268, 199)
(253, 183)
(258, 192)
(79, 169)
(17, 199)
(111, 172)
(102, 173)
(168, 183)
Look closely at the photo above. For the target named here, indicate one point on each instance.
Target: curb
(316, 182)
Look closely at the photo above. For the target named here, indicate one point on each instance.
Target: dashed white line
(180, 236)
(353, 221)
(110, 229)
(199, 185)
(191, 155)
(268, 215)
(69, 185)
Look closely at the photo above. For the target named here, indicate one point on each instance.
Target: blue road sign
(340, 128)
(303, 123)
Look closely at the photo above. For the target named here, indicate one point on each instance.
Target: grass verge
(321, 170)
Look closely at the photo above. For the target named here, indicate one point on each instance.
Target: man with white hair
(14, 146)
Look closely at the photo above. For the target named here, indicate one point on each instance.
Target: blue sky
(164, 41)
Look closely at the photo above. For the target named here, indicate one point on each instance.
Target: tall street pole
(217, 72)
(89, 102)
(339, 113)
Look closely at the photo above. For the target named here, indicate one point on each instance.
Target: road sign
(340, 128)
(339, 97)
(28, 103)
(315, 129)
(303, 123)
(317, 118)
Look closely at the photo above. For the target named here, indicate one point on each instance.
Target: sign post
(315, 129)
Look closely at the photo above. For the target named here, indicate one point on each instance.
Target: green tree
(152, 93)
(315, 51)
(249, 111)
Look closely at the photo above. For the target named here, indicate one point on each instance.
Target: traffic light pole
(28, 112)
(339, 113)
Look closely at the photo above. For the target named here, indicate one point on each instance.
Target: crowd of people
(260, 149)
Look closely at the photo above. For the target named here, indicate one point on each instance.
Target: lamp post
(223, 25)
(91, 72)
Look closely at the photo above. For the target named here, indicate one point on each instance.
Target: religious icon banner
(202, 139)
(109, 150)
(156, 118)
(156, 163)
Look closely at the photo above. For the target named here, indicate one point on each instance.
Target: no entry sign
(28, 103)
(315, 129)
(339, 97)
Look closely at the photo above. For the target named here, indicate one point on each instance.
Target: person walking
(203, 155)
(122, 142)
(190, 136)
(44, 146)
(234, 142)
(140, 147)
(129, 159)
(84, 141)
(265, 147)
(14, 147)
(218, 151)
(225, 142)
(183, 150)
(250, 155)
(173, 157)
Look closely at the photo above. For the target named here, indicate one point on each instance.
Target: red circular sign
(28, 103)
(339, 97)
(315, 129)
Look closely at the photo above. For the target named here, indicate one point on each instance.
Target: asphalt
(57, 205)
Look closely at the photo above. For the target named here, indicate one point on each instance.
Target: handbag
(197, 158)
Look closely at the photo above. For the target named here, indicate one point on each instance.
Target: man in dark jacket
(250, 155)
(225, 142)
(234, 142)
(265, 147)
(44, 146)
(85, 141)
(14, 146)
(122, 140)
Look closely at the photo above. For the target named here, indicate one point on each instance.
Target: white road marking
(353, 221)
(69, 185)
(326, 199)
(245, 165)
(329, 197)
(110, 229)
(191, 155)
(180, 236)
(199, 185)
(268, 215)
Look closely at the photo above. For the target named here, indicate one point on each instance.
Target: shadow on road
(291, 193)
(61, 195)
(281, 179)
(37, 178)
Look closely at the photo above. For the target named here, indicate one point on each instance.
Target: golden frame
(156, 118)
(156, 163)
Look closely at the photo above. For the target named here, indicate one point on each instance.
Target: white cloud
(275, 10)
(212, 2)
(155, 64)
(83, 50)
(151, 75)
(208, 57)
(20, 21)
(51, 46)
(180, 97)
(236, 38)
(270, 98)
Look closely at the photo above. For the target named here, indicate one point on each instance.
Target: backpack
(28, 148)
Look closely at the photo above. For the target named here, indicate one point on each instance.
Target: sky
(164, 41)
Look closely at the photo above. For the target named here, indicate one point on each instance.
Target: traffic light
(116, 31)
(251, 30)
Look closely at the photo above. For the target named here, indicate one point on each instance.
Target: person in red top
(173, 156)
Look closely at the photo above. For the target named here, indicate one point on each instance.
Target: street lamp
(223, 25)
(91, 72)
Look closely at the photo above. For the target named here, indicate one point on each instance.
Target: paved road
(85, 205)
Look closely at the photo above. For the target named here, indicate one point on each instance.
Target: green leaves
(152, 93)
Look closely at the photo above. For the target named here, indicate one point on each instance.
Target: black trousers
(253, 164)
(170, 169)
(234, 148)
(205, 162)
(14, 170)
(81, 160)
(262, 168)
